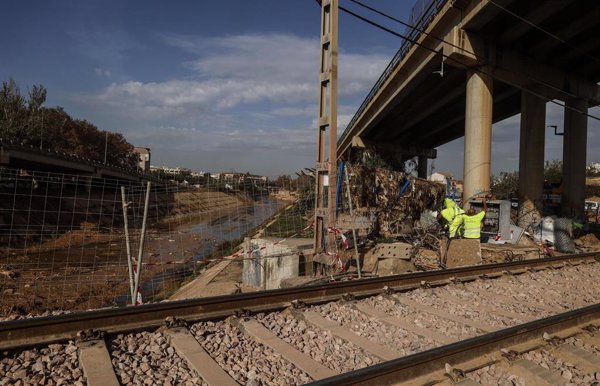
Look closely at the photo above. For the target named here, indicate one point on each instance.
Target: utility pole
(326, 166)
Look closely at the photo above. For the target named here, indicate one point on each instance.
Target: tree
(553, 171)
(283, 181)
(25, 120)
(506, 185)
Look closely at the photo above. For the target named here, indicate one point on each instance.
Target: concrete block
(462, 252)
(393, 250)
(267, 264)
(387, 267)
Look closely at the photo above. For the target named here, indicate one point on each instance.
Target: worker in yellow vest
(451, 214)
(472, 221)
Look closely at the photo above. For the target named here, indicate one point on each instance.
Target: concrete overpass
(25, 157)
(493, 59)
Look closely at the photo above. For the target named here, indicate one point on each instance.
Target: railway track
(519, 323)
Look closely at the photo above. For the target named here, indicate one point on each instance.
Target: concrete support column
(478, 135)
(531, 159)
(422, 167)
(574, 159)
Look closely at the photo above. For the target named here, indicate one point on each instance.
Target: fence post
(352, 217)
(127, 244)
(141, 249)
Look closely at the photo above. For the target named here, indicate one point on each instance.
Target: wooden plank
(261, 334)
(95, 361)
(376, 349)
(404, 323)
(198, 359)
(445, 314)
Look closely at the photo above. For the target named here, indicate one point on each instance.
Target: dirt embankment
(31, 218)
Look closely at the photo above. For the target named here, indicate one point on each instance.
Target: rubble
(500, 253)
(460, 252)
(392, 198)
(588, 243)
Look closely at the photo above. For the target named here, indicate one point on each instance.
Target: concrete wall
(267, 264)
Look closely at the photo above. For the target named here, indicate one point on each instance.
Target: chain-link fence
(63, 237)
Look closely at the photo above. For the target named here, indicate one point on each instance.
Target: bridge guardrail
(422, 14)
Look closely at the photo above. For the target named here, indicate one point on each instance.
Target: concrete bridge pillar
(478, 135)
(531, 159)
(422, 167)
(574, 159)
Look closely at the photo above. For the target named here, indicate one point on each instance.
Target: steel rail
(34, 331)
(421, 364)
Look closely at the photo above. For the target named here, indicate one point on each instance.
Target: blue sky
(211, 85)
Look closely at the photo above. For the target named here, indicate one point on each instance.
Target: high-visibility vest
(449, 203)
(472, 225)
(451, 210)
(455, 227)
(452, 216)
(448, 214)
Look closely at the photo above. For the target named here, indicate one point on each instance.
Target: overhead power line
(413, 41)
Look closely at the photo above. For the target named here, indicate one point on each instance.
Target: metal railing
(422, 14)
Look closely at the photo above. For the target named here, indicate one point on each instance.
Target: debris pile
(391, 197)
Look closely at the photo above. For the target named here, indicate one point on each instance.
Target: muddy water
(233, 226)
(226, 228)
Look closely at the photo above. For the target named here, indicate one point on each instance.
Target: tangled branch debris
(392, 197)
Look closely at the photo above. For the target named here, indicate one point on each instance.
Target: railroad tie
(96, 363)
(263, 335)
(593, 339)
(503, 299)
(444, 314)
(493, 310)
(189, 349)
(535, 374)
(467, 382)
(587, 361)
(382, 352)
(403, 323)
(542, 306)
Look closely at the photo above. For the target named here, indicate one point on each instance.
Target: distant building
(171, 171)
(143, 157)
(236, 178)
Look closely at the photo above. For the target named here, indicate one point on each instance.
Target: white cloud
(244, 96)
(241, 70)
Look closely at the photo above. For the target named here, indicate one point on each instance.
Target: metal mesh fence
(63, 244)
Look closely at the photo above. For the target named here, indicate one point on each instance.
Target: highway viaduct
(478, 62)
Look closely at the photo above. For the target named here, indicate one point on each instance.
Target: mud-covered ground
(87, 268)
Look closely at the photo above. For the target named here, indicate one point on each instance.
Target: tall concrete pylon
(478, 135)
(531, 159)
(574, 159)
(326, 165)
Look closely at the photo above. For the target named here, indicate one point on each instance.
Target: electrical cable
(397, 34)
(542, 30)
